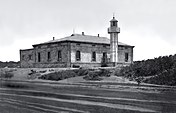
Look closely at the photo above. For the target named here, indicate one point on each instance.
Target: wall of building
(53, 49)
(122, 51)
(87, 49)
(50, 65)
(68, 55)
(44, 61)
(86, 53)
(27, 58)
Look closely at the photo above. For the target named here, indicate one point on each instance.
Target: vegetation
(6, 75)
(10, 84)
(64, 74)
(164, 78)
(160, 70)
(34, 74)
(60, 75)
(81, 72)
(97, 74)
(10, 64)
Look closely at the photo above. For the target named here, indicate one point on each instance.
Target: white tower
(113, 30)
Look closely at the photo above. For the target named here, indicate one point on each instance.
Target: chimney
(53, 38)
(82, 33)
(98, 35)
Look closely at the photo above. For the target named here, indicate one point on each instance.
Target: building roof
(84, 39)
(113, 20)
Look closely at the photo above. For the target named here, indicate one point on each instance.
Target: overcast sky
(149, 25)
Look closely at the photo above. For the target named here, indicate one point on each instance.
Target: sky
(149, 25)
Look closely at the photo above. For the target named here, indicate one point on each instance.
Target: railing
(114, 30)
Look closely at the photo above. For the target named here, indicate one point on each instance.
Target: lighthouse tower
(114, 30)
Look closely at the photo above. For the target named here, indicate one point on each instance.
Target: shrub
(7, 75)
(76, 66)
(139, 80)
(97, 74)
(43, 71)
(93, 75)
(104, 73)
(81, 72)
(165, 78)
(164, 67)
(33, 75)
(60, 75)
(14, 85)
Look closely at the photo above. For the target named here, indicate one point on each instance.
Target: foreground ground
(85, 97)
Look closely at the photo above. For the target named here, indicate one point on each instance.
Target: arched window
(78, 56)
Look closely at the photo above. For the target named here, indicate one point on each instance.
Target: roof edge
(26, 49)
(77, 42)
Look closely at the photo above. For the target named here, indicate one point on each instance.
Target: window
(78, 55)
(59, 56)
(104, 59)
(49, 56)
(104, 55)
(126, 57)
(38, 57)
(30, 57)
(114, 23)
(93, 45)
(94, 56)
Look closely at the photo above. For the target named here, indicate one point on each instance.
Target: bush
(104, 73)
(139, 80)
(33, 75)
(44, 71)
(76, 66)
(165, 78)
(97, 74)
(81, 72)
(93, 75)
(164, 67)
(7, 75)
(14, 85)
(60, 75)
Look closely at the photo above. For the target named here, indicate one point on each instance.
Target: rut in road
(84, 102)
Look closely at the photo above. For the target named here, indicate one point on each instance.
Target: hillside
(10, 64)
(161, 70)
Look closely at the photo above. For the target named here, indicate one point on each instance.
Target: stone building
(79, 50)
